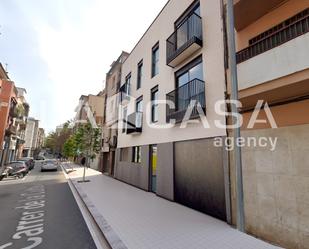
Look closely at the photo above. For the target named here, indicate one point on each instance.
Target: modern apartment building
(273, 66)
(180, 58)
(110, 128)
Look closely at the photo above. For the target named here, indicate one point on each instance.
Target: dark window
(124, 155)
(139, 74)
(139, 105)
(194, 8)
(154, 104)
(128, 84)
(124, 119)
(194, 70)
(155, 60)
(137, 154)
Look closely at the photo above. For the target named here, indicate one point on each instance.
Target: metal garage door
(199, 177)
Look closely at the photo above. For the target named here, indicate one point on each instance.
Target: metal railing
(194, 90)
(188, 32)
(275, 39)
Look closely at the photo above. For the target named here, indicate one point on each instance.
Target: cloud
(78, 40)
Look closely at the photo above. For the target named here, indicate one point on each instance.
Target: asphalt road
(41, 212)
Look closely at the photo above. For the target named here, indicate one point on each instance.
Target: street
(40, 212)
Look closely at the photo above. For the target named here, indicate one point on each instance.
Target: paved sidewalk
(136, 219)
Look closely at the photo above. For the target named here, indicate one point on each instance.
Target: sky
(61, 49)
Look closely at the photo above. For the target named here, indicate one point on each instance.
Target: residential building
(40, 138)
(21, 121)
(91, 109)
(31, 137)
(8, 128)
(110, 128)
(180, 58)
(91, 106)
(272, 39)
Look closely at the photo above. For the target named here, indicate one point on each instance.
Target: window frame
(140, 67)
(187, 67)
(138, 101)
(155, 64)
(137, 154)
(124, 119)
(128, 83)
(154, 106)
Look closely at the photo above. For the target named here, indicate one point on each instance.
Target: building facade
(8, 127)
(272, 39)
(180, 58)
(91, 109)
(110, 128)
(31, 136)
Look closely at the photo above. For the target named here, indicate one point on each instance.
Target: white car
(48, 165)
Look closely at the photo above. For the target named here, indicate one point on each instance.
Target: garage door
(199, 177)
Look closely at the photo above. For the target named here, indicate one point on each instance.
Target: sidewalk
(134, 219)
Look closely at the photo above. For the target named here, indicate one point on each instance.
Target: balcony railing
(182, 97)
(135, 123)
(184, 37)
(284, 34)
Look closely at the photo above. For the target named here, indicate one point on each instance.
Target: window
(155, 60)
(154, 104)
(124, 119)
(139, 104)
(182, 25)
(128, 84)
(194, 70)
(139, 74)
(113, 82)
(137, 154)
(124, 154)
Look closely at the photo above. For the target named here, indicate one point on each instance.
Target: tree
(70, 147)
(85, 141)
(88, 141)
(55, 140)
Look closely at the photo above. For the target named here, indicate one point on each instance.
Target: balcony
(247, 11)
(135, 123)
(276, 36)
(275, 53)
(186, 40)
(182, 97)
(11, 130)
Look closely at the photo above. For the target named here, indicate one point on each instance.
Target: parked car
(29, 162)
(49, 165)
(17, 169)
(40, 158)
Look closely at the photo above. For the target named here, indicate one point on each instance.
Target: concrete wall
(276, 187)
(136, 174)
(165, 171)
(214, 73)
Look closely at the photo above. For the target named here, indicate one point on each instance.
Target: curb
(111, 237)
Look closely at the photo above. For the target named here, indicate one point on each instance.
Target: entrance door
(153, 168)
